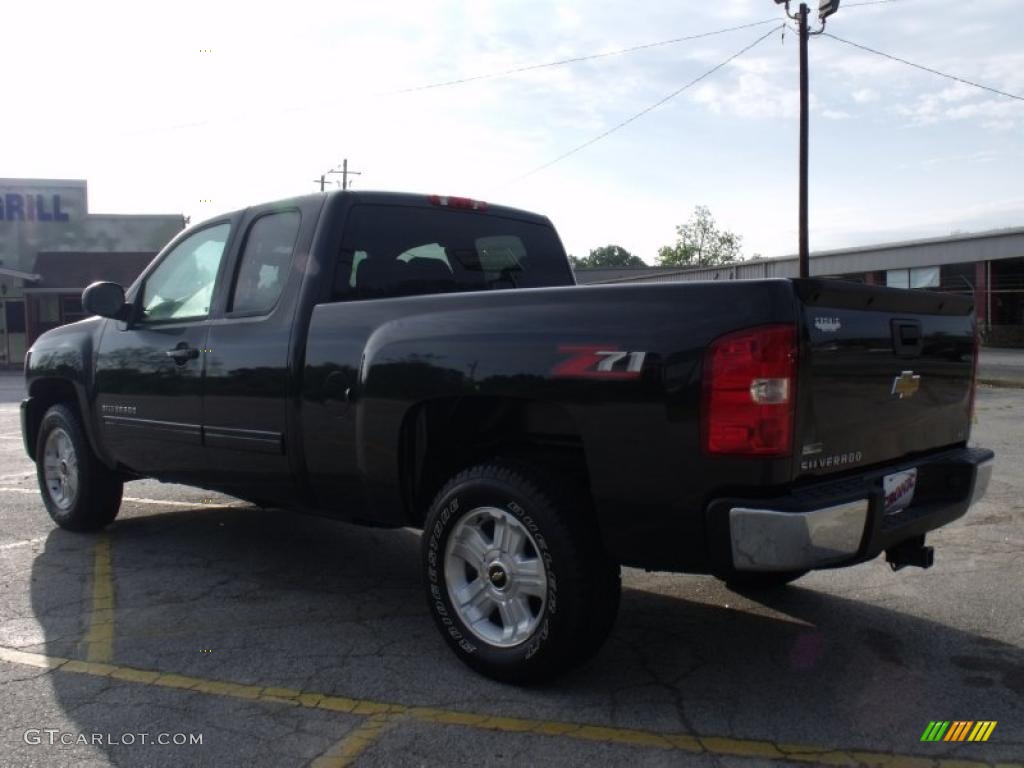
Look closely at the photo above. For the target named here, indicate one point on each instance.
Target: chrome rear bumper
(771, 540)
(982, 476)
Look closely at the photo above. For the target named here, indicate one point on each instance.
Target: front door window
(181, 287)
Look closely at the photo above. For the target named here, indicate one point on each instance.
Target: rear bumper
(843, 522)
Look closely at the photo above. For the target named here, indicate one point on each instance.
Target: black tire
(761, 581)
(583, 584)
(97, 496)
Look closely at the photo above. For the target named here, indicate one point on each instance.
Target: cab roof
(402, 198)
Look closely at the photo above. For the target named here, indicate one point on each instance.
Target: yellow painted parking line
(635, 737)
(357, 741)
(99, 639)
(25, 658)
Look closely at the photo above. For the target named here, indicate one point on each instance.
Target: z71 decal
(599, 362)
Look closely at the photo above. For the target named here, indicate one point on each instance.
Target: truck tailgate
(884, 373)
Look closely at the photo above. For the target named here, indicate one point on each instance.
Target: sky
(200, 108)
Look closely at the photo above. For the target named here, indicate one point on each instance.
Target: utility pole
(345, 173)
(825, 9)
(805, 242)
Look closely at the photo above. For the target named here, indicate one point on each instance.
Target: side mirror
(105, 300)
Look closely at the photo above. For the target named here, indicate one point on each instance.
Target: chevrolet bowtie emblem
(906, 384)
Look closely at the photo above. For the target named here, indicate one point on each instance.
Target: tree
(608, 256)
(700, 242)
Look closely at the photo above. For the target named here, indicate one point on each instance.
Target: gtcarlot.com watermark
(54, 736)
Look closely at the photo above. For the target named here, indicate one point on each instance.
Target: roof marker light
(465, 203)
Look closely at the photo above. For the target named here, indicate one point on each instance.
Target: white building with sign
(51, 247)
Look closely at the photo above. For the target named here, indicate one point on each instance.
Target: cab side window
(264, 264)
(181, 286)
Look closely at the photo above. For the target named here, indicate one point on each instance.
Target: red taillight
(457, 202)
(749, 392)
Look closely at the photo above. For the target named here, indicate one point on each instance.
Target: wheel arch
(443, 436)
(46, 392)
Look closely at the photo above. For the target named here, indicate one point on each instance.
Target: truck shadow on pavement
(270, 598)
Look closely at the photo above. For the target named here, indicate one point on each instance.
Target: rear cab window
(264, 263)
(392, 250)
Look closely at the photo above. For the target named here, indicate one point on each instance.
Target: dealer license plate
(899, 490)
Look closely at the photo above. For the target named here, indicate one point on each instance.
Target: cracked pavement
(853, 662)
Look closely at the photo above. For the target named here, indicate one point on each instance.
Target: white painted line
(135, 500)
(191, 504)
(25, 543)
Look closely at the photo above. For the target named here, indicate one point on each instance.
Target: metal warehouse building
(986, 265)
(51, 247)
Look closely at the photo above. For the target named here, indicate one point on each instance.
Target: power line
(651, 108)
(576, 59)
(869, 2)
(618, 52)
(926, 69)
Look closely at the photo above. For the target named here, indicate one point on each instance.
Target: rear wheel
(80, 493)
(517, 580)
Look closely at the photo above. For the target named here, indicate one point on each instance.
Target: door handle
(907, 338)
(182, 355)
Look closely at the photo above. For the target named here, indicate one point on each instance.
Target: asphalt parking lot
(288, 641)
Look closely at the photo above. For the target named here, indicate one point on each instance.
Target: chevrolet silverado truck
(423, 361)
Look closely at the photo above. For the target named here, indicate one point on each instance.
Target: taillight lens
(749, 392)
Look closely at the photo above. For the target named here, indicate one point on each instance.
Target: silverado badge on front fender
(906, 384)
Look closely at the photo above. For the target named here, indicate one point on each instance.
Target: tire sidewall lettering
(448, 619)
(435, 578)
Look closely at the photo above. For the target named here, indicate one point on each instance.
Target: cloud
(749, 96)
(865, 95)
(963, 103)
(960, 159)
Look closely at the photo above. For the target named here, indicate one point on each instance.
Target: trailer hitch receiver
(910, 552)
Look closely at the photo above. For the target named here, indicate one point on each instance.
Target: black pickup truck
(426, 361)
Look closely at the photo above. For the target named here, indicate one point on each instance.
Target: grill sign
(18, 207)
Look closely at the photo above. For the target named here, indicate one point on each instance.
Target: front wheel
(80, 493)
(517, 580)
